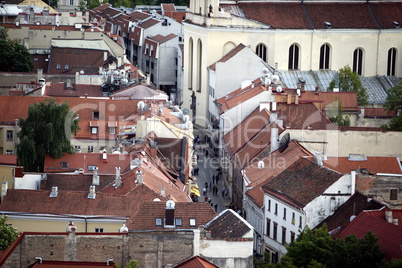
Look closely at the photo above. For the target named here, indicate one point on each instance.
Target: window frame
(393, 194)
(358, 59)
(294, 57)
(9, 135)
(261, 51)
(325, 57)
(391, 62)
(99, 230)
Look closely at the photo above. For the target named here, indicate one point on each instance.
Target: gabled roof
(102, 7)
(140, 92)
(357, 203)
(196, 262)
(74, 182)
(301, 182)
(228, 55)
(220, 229)
(147, 214)
(374, 164)
(162, 38)
(148, 23)
(256, 194)
(388, 234)
(274, 163)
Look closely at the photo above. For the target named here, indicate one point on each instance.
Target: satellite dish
(261, 164)
(140, 105)
(265, 71)
(268, 81)
(186, 117)
(283, 144)
(275, 78)
(186, 111)
(279, 89)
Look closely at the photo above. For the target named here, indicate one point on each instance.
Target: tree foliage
(336, 116)
(47, 130)
(13, 56)
(349, 81)
(8, 234)
(316, 249)
(394, 103)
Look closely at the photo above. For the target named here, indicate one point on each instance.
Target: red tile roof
(327, 100)
(373, 112)
(219, 226)
(301, 182)
(352, 207)
(162, 38)
(74, 182)
(60, 90)
(274, 163)
(67, 264)
(228, 55)
(148, 23)
(8, 159)
(388, 234)
(145, 218)
(168, 7)
(196, 262)
(374, 164)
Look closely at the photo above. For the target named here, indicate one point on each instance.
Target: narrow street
(207, 169)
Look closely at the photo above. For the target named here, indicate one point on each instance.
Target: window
(178, 221)
(95, 115)
(293, 57)
(66, 67)
(60, 50)
(71, 2)
(77, 148)
(284, 213)
(10, 135)
(261, 52)
(64, 164)
(69, 52)
(77, 52)
(152, 50)
(98, 230)
(283, 235)
(391, 62)
(152, 64)
(292, 236)
(58, 66)
(276, 209)
(84, 52)
(199, 72)
(35, 59)
(293, 218)
(324, 57)
(112, 130)
(94, 130)
(300, 223)
(393, 194)
(358, 61)
(269, 205)
(9, 152)
(275, 233)
(158, 222)
(192, 222)
(268, 228)
(90, 149)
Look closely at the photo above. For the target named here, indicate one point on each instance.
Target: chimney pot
(92, 194)
(54, 191)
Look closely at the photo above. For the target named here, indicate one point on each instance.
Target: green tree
(47, 130)
(349, 81)
(336, 115)
(13, 56)
(8, 234)
(394, 103)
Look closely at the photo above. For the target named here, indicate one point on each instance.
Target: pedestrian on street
(206, 153)
(223, 191)
(215, 190)
(213, 179)
(206, 198)
(210, 186)
(216, 207)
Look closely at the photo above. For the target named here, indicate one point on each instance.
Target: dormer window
(64, 164)
(178, 222)
(95, 115)
(158, 222)
(192, 222)
(94, 130)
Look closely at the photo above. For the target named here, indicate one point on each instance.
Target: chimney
(153, 148)
(117, 183)
(123, 229)
(4, 188)
(167, 119)
(208, 234)
(139, 177)
(163, 192)
(104, 156)
(388, 216)
(352, 182)
(395, 221)
(92, 194)
(273, 115)
(117, 172)
(71, 228)
(274, 139)
(297, 99)
(95, 177)
(54, 191)
(319, 157)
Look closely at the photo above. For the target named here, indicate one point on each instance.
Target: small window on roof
(178, 221)
(192, 222)
(158, 222)
(84, 52)
(393, 194)
(69, 52)
(64, 164)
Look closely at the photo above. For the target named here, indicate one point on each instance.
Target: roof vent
(54, 192)
(92, 194)
(357, 157)
(396, 24)
(328, 24)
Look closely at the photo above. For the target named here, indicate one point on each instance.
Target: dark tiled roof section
(228, 55)
(303, 116)
(341, 15)
(326, 100)
(302, 182)
(102, 7)
(148, 23)
(374, 164)
(353, 206)
(145, 219)
(71, 182)
(138, 15)
(388, 234)
(277, 15)
(177, 15)
(220, 229)
(386, 13)
(275, 163)
(196, 262)
(162, 38)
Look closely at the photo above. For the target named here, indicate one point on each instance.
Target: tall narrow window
(276, 209)
(293, 57)
(324, 57)
(199, 71)
(190, 64)
(358, 61)
(283, 235)
(284, 213)
(391, 62)
(261, 52)
(269, 204)
(268, 228)
(275, 231)
(393, 194)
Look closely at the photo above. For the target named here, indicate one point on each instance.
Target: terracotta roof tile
(374, 164)
(373, 112)
(196, 262)
(74, 182)
(168, 7)
(256, 194)
(386, 13)
(8, 159)
(327, 100)
(301, 182)
(357, 203)
(148, 23)
(145, 218)
(60, 90)
(388, 234)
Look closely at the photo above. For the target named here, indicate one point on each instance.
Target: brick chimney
(388, 216)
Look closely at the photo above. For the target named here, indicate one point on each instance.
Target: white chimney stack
(274, 139)
(92, 194)
(139, 177)
(95, 177)
(163, 192)
(54, 191)
(4, 188)
(117, 183)
(117, 172)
